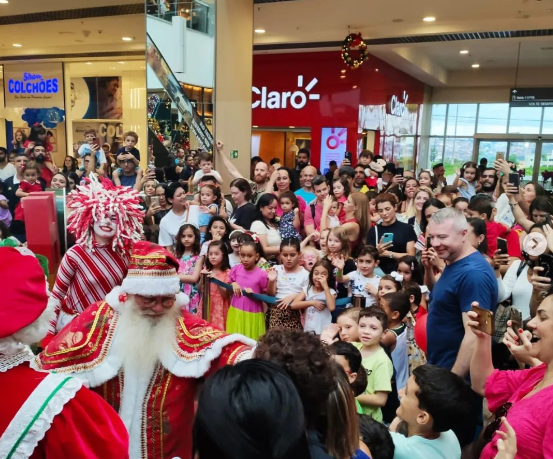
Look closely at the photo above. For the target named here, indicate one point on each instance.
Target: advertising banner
(333, 145)
(96, 98)
(170, 83)
(108, 132)
(33, 85)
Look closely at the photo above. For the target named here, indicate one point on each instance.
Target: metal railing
(198, 14)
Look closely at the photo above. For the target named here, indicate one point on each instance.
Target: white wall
(190, 54)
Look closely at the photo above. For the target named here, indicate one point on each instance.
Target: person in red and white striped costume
(106, 221)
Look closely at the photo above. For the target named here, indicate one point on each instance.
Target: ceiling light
(292, 127)
(17, 45)
(475, 66)
(259, 30)
(464, 51)
(429, 19)
(121, 62)
(89, 63)
(127, 38)
(255, 126)
(4, 1)
(112, 68)
(342, 71)
(342, 76)
(354, 87)
(376, 70)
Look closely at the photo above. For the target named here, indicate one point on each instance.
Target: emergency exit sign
(233, 154)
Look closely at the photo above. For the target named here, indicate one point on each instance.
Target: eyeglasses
(494, 425)
(149, 301)
(126, 161)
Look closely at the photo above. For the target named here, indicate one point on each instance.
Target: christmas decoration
(352, 41)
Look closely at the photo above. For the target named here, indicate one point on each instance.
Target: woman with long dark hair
(244, 212)
(266, 225)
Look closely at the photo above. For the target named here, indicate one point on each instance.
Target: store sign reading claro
(263, 98)
(397, 107)
(33, 83)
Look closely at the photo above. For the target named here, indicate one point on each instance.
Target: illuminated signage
(275, 100)
(33, 83)
(398, 107)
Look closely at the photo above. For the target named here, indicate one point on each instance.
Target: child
(410, 269)
(482, 208)
(333, 220)
(372, 324)
(286, 281)
(206, 168)
(396, 305)
(323, 237)
(309, 256)
(467, 179)
(130, 139)
(363, 281)
(234, 241)
(217, 266)
(375, 217)
(29, 184)
(445, 198)
(345, 329)
(337, 246)
(209, 196)
(37, 135)
(377, 438)
(90, 147)
(388, 284)
(340, 190)
(415, 355)
(5, 215)
(318, 314)
(434, 403)
(290, 221)
(187, 251)
(218, 229)
(349, 357)
(461, 204)
(245, 315)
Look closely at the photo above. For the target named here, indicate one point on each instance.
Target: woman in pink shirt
(524, 397)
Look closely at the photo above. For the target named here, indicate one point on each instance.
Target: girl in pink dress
(217, 266)
(187, 250)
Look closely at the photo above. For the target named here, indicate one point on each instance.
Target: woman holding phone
(524, 397)
(392, 238)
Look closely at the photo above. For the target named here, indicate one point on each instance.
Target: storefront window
(457, 151)
(437, 123)
(436, 149)
(461, 119)
(492, 118)
(547, 127)
(525, 120)
(546, 157)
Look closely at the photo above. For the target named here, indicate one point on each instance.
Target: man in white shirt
(7, 169)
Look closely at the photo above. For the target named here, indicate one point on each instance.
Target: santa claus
(145, 355)
(44, 415)
(106, 221)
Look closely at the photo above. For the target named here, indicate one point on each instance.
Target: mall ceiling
(488, 32)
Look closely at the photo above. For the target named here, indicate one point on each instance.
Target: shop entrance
(283, 144)
(533, 157)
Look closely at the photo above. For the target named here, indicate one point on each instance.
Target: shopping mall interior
(437, 82)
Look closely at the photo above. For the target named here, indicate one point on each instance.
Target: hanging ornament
(354, 41)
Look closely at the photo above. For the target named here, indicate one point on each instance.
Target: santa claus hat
(152, 271)
(24, 296)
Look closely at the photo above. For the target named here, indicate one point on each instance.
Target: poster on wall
(33, 85)
(96, 98)
(108, 132)
(333, 145)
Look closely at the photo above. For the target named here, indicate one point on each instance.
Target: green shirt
(380, 371)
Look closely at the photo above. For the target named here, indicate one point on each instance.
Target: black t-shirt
(9, 189)
(243, 216)
(171, 174)
(403, 233)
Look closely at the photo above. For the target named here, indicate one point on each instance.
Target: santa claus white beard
(141, 340)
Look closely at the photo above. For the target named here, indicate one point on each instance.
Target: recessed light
(342, 76)
(127, 38)
(354, 87)
(376, 70)
(475, 66)
(4, 1)
(342, 71)
(291, 127)
(121, 62)
(112, 68)
(17, 45)
(89, 63)
(464, 51)
(259, 30)
(429, 19)
(255, 126)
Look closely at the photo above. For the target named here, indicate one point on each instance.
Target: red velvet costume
(88, 348)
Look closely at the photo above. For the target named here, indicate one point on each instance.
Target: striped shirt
(85, 277)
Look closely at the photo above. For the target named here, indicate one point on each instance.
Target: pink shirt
(308, 216)
(531, 418)
(256, 279)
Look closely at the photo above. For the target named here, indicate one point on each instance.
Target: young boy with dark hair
(349, 357)
(435, 402)
(396, 306)
(130, 139)
(205, 161)
(482, 208)
(373, 322)
(377, 438)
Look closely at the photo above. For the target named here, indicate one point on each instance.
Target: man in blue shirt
(306, 192)
(467, 277)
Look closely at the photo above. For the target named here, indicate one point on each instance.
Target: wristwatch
(391, 255)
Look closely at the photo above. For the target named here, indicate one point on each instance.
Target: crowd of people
(383, 307)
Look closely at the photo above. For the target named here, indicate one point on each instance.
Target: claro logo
(274, 99)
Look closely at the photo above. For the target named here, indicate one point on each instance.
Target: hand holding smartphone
(514, 178)
(485, 320)
(387, 237)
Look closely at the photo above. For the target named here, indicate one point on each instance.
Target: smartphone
(348, 156)
(155, 201)
(499, 155)
(548, 219)
(485, 320)
(546, 262)
(96, 142)
(428, 242)
(515, 317)
(502, 245)
(387, 237)
(399, 171)
(514, 178)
